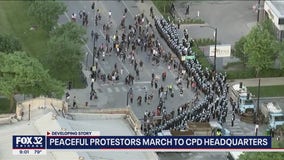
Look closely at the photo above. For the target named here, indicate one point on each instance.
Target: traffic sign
(187, 57)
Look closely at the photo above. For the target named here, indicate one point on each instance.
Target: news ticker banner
(38, 145)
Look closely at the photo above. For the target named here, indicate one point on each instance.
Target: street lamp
(215, 41)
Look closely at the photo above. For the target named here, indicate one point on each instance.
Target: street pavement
(233, 19)
(115, 94)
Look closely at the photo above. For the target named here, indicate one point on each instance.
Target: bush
(201, 58)
(204, 41)
(194, 21)
(9, 44)
(190, 21)
(164, 7)
(238, 65)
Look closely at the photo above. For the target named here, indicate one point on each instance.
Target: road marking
(107, 84)
(109, 90)
(142, 82)
(128, 9)
(123, 89)
(139, 89)
(116, 89)
(175, 87)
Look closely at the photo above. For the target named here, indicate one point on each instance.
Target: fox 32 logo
(28, 142)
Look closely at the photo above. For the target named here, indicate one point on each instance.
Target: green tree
(261, 155)
(64, 57)
(260, 47)
(267, 24)
(9, 44)
(65, 47)
(239, 50)
(281, 57)
(70, 31)
(21, 74)
(281, 54)
(46, 13)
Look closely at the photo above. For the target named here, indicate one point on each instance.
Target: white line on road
(142, 82)
(116, 89)
(175, 87)
(128, 9)
(123, 89)
(109, 90)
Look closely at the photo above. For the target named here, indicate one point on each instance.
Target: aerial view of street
(143, 67)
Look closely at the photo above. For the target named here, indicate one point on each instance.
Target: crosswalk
(236, 130)
(239, 128)
(124, 88)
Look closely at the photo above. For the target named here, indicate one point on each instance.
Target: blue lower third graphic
(165, 142)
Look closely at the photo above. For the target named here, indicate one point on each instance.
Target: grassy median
(268, 91)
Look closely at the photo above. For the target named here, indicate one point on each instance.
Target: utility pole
(258, 12)
(215, 44)
(258, 95)
(29, 111)
(215, 50)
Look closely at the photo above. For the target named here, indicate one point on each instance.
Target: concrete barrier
(24, 107)
(5, 121)
(6, 118)
(130, 116)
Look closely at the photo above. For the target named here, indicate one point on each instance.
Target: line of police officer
(213, 85)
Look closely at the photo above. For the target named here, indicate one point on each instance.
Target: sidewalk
(273, 81)
(83, 95)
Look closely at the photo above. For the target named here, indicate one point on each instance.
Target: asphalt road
(116, 93)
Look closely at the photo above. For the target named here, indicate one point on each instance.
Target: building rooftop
(237, 88)
(274, 107)
(278, 7)
(107, 124)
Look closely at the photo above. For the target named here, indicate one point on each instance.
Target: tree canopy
(46, 13)
(260, 48)
(21, 74)
(267, 24)
(70, 31)
(9, 44)
(239, 49)
(65, 51)
(261, 155)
